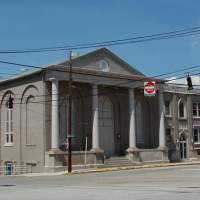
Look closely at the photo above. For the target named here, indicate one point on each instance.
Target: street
(156, 183)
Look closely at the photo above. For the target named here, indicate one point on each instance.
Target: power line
(145, 38)
(74, 72)
(103, 93)
(117, 85)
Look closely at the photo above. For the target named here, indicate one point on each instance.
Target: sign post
(150, 88)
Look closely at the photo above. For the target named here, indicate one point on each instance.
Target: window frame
(168, 134)
(105, 68)
(9, 127)
(197, 110)
(198, 135)
(170, 110)
(184, 109)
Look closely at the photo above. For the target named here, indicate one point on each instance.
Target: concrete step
(117, 162)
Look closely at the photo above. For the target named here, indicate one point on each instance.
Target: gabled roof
(108, 53)
(64, 66)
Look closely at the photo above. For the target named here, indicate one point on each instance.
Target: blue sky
(46, 23)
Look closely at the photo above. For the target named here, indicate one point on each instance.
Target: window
(196, 138)
(196, 109)
(9, 126)
(168, 135)
(167, 108)
(196, 135)
(181, 109)
(104, 66)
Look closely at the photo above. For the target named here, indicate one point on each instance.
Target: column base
(162, 148)
(133, 154)
(54, 151)
(97, 150)
(148, 155)
(98, 155)
(132, 149)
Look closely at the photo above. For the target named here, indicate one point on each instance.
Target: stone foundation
(148, 155)
(58, 160)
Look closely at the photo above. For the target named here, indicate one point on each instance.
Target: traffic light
(189, 82)
(10, 102)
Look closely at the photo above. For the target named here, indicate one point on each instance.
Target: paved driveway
(157, 184)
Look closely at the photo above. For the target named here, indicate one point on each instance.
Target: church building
(111, 116)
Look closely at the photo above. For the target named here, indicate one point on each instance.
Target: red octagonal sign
(149, 88)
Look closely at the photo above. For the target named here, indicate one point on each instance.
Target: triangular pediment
(94, 59)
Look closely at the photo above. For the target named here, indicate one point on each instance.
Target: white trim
(197, 110)
(8, 127)
(184, 109)
(104, 65)
(8, 145)
(198, 134)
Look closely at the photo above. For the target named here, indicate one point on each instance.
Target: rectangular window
(196, 109)
(9, 126)
(196, 135)
(167, 108)
(168, 135)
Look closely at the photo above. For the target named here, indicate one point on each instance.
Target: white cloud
(183, 81)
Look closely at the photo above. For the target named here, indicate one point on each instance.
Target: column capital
(53, 79)
(94, 85)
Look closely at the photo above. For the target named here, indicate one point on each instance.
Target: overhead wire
(183, 32)
(145, 38)
(120, 84)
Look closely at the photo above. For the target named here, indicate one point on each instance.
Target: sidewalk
(107, 169)
(139, 166)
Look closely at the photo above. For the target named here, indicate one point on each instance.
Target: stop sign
(149, 88)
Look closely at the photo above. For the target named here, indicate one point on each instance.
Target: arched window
(31, 121)
(104, 66)
(8, 125)
(181, 109)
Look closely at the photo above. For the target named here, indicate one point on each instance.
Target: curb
(156, 165)
(109, 169)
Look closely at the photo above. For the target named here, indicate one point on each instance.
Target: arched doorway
(183, 147)
(106, 126)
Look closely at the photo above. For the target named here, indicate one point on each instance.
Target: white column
(132, 132)
(95, 128)
(162, 122)
(55, 115)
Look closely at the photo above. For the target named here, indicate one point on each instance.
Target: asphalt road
(158, 184)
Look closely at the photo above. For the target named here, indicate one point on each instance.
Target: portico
(105, 107)
(110, 136)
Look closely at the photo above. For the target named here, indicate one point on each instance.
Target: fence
(13, 170)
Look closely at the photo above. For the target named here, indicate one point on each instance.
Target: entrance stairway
(117, 162)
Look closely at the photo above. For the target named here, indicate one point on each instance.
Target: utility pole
(69, 136)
